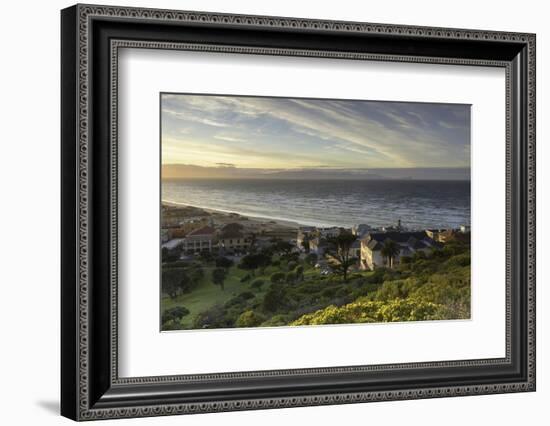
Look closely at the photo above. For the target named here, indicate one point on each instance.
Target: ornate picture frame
(91, 37)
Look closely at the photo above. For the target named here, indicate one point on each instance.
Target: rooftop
(414, 240)
(205, 230)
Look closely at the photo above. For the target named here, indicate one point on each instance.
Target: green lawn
(442, 281)
(208, 294)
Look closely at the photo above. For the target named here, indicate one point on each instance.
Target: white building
(201, 239)
(408, 243)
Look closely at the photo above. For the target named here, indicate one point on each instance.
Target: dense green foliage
(218, 276)
(364, 310)
(279, 288)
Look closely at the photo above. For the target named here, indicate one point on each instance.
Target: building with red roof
(200, 239)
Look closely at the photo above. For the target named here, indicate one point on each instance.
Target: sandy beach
(176, 214)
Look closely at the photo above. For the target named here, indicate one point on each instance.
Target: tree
(196, 273)
(305, 243)
(174, 314)
(218, 277)
(283, 247)
(174, 281)
(206, 256)
(274, 299)
(224, 262)
(390, 250)
(170, 255)
(342, 254)
(255, 260)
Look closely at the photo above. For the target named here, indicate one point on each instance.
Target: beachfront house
(232, 238)
(329, 232)
(198, 240)
(407, 242)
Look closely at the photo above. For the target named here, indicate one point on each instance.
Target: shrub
(460, 260)
(276, 320)
(196, 273)
(329, 292)
(174, 314)
(212, 318)
(170, 255)
(257, 284)
(246, 295)
(224, 262)
(274, 299)
(277, 277)
(391, 290)
(377, 276)
(249, 319)
(176, 264)
(419, 255)
(343, 292)
(245, 278)
(311, 259)
(206, 256)
(363, 311)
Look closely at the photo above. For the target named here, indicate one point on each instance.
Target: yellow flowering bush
(365, 311)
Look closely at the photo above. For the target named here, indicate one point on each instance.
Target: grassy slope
(438, 281)
(207, 294)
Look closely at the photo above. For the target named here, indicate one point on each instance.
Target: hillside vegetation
(277, 287)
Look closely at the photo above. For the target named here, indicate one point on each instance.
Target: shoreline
(186, 216)
(282, 222)
(260, 219)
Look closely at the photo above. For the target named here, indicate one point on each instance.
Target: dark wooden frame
(90, 386)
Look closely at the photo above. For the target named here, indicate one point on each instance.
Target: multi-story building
(201, 239)
(232, 238)
(408, 243)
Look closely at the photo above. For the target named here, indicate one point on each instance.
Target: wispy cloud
(280, 132)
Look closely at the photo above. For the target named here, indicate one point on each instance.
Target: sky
(298, 134)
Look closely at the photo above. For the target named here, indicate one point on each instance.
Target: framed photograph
(263, 212)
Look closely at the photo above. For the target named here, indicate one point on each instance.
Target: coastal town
(223, 270)
(189, 231)
(281, 211)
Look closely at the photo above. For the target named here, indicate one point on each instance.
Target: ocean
(419, 204)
